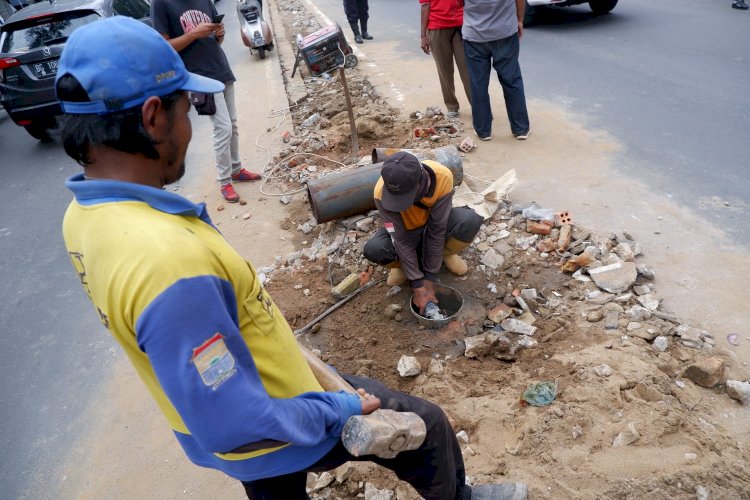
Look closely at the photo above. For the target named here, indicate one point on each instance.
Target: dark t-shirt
(204, 56)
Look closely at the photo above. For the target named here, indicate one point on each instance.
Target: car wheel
(262, 52)
(528, 14)
(41, 130)
(602, 6)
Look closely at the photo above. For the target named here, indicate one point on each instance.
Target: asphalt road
(670, 80)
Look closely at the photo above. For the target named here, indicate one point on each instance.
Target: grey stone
(351, 221)
(373, 493)
(603, 370)
(365, 224)
(706, 372)
(286, 199)
(435, 367)
(595, 316)
(305, 228)
(642, 289)
(527, 342)
(688, 333)
(638, 313)
(701, 493)
(525, 243)
(614, 278)
(611, 320)
(393, 291)
(661, 343)
(625, 297)
(462, 437)
(624, 251)
(529, 293)
(324, 480)
(408, 366)
(311, 120)
(514, 272)
(649, 301)
(628, 435)
(516, 326)
(391, 310)
(597, 297)
(645, 271)
(739, 390)
(479, 345)
(492, 259)
(633, 325)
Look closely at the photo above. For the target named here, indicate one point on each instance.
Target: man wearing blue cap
(189, 27)
(190, 313)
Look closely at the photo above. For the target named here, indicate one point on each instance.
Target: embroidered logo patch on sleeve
(213, 361)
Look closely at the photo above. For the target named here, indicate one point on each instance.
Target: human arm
(520, 11)
(425, 19)
(160, 20)
(237, 410)
(405, 244)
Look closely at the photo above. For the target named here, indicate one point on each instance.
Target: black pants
(435, 470)
(356, 10)
(463, 225)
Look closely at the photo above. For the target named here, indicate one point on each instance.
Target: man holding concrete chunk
(421, 227)
(191, 314)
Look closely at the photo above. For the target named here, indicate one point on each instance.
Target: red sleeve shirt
(444, 14)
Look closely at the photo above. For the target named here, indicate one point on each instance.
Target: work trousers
(447, 45)
(356, 10)
(463, 225)
(502, 55)
(226, 135)
(435, 469)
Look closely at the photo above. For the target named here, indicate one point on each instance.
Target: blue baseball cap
(121, 62)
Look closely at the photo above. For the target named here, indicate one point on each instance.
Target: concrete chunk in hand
(383, 433)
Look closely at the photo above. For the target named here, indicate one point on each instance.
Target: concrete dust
(687, 437)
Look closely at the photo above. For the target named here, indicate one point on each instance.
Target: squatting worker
(191, 314)
(421, 229)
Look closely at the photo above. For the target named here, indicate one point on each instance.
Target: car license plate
(45, 69)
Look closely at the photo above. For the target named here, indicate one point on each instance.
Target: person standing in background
(441, 22)
(492, 32)
(357, 13)
(189, 27)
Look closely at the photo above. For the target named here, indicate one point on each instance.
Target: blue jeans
(502, 55)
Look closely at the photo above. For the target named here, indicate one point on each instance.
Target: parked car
(597, 6)
(31, 41)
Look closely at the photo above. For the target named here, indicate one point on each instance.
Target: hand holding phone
(218, 18)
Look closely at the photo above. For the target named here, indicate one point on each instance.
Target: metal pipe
(344, 193)
(446, 155)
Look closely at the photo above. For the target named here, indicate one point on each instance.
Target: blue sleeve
(238, 410)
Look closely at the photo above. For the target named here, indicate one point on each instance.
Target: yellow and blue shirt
(201, 331)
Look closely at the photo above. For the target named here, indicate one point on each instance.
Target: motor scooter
(255, 32)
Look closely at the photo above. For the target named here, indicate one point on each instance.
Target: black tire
(600, 7)
(262, 52)
(40, 131)
(528, 14)
(350, 61)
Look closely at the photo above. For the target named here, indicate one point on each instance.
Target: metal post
(352, 124)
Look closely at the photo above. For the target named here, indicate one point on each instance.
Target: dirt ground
(689, 439)
(564, 450)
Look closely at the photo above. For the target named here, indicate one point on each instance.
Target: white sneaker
(488, 138)
(523, 136)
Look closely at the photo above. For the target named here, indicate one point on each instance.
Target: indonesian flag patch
(213, 361)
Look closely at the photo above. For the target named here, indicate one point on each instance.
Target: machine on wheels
(255, 32)
(324, 51)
